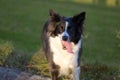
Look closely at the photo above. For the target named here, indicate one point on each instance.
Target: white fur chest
(61, 57)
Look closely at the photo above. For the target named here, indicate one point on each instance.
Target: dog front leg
(55, 72)
(77, 73)
(55, 76)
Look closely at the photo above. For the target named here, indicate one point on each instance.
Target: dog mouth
(67, 46)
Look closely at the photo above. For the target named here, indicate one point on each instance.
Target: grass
(21, 23)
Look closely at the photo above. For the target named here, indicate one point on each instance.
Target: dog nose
(65, 38)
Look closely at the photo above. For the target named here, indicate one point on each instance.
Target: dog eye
(69, 27)
(62, 27)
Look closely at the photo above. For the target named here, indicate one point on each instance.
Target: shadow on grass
(38, 65)
(19, 65)
(99, 72)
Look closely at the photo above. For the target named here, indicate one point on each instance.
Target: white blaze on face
(65, 33)
(66, 25)
(66, 43)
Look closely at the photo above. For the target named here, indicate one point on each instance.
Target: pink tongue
(67, 45)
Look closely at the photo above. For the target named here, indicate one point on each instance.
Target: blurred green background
(21, 23)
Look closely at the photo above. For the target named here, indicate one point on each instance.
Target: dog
(62, 43)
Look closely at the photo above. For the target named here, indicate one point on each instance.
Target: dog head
(67, 28)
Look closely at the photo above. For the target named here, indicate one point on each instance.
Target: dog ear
(79, 19)
(54, 15)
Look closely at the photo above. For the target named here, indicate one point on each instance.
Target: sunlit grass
(6, 49)
(110, 3)
(84, 1)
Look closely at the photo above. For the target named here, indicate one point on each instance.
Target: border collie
(62, 43)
